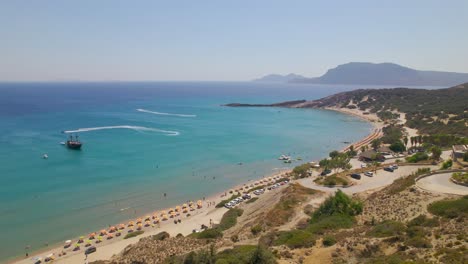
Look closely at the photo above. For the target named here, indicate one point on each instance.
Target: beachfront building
(458, 151)
(371, 155)
(385, 150)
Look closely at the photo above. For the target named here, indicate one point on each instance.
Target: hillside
(429, 111)
(365, 73)
(280, 78)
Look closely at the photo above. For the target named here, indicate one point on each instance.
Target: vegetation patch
(402, 183)
(133, 234)
(161, 236)
(295, 239)
(450, 208)
(251, 200)
(211, 233)
(387, 228)
(461, 177)
(245, 254)
(229, 218)
(292, 196)
(420, 156)
(333, 180)
(301, 171)
(328, 241)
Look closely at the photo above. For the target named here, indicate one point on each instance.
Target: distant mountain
(280, 78)
(365, 73)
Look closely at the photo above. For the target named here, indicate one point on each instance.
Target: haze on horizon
(220, 40)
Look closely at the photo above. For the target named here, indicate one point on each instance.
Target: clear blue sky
(224, 40)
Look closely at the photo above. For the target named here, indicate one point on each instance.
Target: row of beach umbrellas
(137, 224)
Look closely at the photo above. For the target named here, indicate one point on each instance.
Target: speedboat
(45, 156)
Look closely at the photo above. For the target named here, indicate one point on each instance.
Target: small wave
(166, 114)
(137, 128)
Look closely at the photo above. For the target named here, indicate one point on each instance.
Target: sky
(110, 40)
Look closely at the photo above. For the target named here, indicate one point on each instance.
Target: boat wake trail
(166, 114)
(137, 128)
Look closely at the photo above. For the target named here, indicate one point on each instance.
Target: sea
(142, 140)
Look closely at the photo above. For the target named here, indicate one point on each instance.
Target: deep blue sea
(142, 140)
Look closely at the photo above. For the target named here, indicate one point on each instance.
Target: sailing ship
(74, 142)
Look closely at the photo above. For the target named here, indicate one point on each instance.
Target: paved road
(380, 179)
(441, 183)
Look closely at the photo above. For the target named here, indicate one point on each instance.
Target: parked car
(356, 176)
(390, 169)
(394, 166)
(363, 165)
(325, 172)
(369, 174)
(246, 196)
(90, 250)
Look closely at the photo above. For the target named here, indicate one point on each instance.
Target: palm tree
(405, 140)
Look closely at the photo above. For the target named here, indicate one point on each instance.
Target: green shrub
(460, 177)
(256, 229)
(332, 222)
(211, 233)
(386, 229)
(133, 234)
(229, 218)
(328, 241)
(424, 221)
(420, 156)
(450, 208)
(245, 254)
(398, 146)
(447, 164)
(161, 236)
(340, 203)
(333, 180)
(295, 239)
(252, 200)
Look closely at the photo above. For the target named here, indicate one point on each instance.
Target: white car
(363, 165)
(369, 174)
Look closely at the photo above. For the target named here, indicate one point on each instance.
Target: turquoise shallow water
(130, 157)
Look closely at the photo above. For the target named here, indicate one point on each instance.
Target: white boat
(284, 157)
(45, 156)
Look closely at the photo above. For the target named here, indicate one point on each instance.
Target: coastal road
(441, 183)
(380, 179)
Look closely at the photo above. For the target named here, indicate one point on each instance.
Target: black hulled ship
(74, 142)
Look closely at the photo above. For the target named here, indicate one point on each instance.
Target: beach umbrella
(199, 204)
(112, 229)
(118, 233)
(131, 223)
(184, 205)
(110, 236)
(103, 232)
(121, 226)
(191, 202)
(139, 220)
(185, 210)
(164, 217)
(88, 243)
(77, 245)
(177, 208)
(147, 217)
(155, 215)
(171, 210)
(92, 235)
(139, 226)
(173, 214)
(163, 213)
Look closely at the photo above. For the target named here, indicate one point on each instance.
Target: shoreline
(206, 210)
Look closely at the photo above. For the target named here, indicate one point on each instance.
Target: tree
(398, 146)
(334, 154)
(325, 163)
(363, 148)
(412, 141)
(405, 140)
(436, 152)
(465, 156)
(375, 144)
(420, 139)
